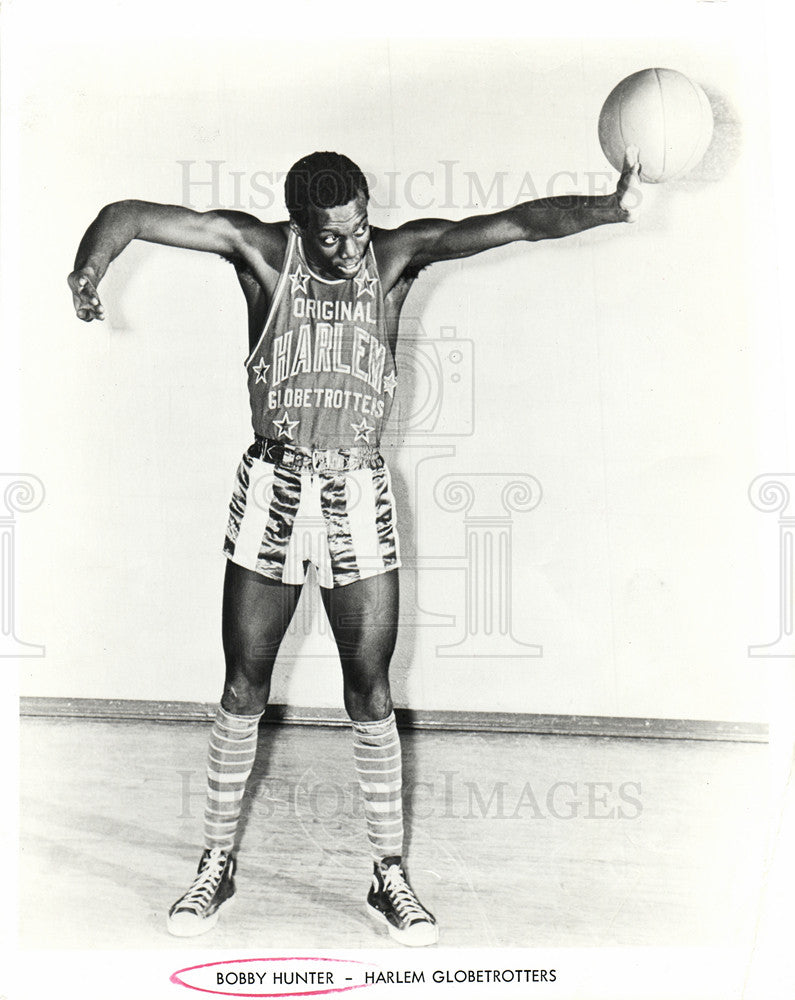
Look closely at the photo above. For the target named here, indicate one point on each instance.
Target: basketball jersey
(322, 375)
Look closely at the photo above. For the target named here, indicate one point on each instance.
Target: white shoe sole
(185, 925)
(416, 936)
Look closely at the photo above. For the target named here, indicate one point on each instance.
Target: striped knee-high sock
(376, 749)
(233, 745)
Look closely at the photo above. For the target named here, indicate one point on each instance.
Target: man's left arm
(426, 241)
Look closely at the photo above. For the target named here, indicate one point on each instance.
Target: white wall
(629, 370)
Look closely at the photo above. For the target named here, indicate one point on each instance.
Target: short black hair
(322, 180)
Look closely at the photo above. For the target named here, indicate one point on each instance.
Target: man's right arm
(234, 235)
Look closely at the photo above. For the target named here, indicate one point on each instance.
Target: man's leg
(363, 617)
(256, 614)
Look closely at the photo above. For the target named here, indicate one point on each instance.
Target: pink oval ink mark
(175, 976)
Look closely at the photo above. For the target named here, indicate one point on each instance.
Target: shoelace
(205, 883)
(405, 902)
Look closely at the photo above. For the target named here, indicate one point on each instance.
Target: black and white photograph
(398, 502)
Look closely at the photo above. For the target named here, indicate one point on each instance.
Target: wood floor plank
(514, 840)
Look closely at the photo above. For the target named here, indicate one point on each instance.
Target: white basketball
(665, 114)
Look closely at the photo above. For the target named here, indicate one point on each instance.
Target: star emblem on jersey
(298, 280)
(363, 431)
(262, 370)
(390, 381)
(285, 426)
(365, 285)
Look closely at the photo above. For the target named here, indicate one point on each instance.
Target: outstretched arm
(235, 235)
(426, 241)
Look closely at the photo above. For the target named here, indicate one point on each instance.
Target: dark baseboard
(120, 710)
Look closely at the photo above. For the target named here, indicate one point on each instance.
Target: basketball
(662, 112)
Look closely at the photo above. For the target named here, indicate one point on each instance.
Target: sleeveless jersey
(322, 375)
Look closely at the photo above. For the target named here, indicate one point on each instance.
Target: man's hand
(628, 194)
(84, 295)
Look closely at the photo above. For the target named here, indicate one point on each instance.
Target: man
(324, 293)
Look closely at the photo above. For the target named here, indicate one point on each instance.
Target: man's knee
(244, 695)
(367, 697)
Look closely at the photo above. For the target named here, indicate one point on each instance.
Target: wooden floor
(514, 840)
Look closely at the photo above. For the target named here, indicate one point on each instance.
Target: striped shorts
(282, 520)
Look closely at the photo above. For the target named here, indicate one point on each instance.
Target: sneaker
(391, 901)
(197, 911)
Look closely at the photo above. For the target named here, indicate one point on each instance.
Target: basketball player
(324, 292)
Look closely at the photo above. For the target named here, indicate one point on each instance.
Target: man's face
(335, 241)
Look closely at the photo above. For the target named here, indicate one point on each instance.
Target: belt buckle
(332, 461)
(319, 461)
